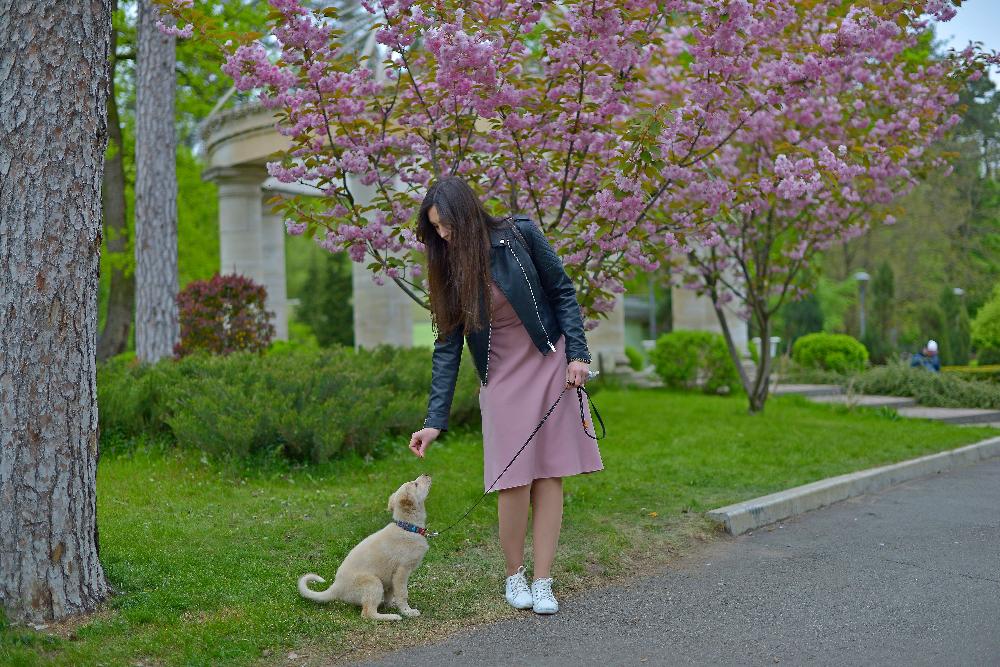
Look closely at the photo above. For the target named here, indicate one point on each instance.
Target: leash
(580, 391)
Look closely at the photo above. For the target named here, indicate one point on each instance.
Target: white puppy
(378, 568)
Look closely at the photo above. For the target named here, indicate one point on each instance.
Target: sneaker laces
(516, 582)
(542, 590)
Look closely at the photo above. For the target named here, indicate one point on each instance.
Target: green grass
(204, 556)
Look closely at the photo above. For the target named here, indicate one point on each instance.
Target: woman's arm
(444, 374)
(560, 291)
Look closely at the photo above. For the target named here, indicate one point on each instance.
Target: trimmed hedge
(989, 373)
(932, 389)
(300, 403)
(839, 353)
(685, 359)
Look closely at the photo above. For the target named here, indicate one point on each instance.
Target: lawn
(204, 556)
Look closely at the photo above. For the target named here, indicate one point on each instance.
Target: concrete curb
(752, 514)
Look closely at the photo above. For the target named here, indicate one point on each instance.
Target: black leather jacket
(534, 281)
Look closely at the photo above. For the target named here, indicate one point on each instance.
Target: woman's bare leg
(547, 507)
(512, 508)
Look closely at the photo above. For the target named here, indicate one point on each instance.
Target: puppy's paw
(410, 613)
(391, 617)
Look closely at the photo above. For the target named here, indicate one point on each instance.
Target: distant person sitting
(927, 358)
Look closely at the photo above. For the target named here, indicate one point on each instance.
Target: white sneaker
(541, 593)
(518, 594)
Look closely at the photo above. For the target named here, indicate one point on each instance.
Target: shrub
(684, 359)
(988, 373)
(635, 358)
(304, 404)
(223, 315)
(929, 388)
(986, 330)
(831, 352)
(325, 304)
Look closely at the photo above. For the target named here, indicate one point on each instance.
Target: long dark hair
(458, 270)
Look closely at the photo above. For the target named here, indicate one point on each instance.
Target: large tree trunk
(121, 289)
(156, 323)
(53, 133)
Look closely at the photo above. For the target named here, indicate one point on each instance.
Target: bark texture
(121, 287)
(53, 133)
(156, 322)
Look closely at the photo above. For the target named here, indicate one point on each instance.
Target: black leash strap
(580, 391)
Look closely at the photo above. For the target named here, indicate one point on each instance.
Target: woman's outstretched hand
(421, 440)
(576, 373)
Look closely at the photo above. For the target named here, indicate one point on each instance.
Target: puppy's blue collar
(411, 527)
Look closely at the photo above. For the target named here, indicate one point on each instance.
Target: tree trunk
(53, 133)
(757, 389)
(762, 379)
(156, 323)
(121, 290)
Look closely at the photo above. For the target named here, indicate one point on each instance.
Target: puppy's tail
(316, 596)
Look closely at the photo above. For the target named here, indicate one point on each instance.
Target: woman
(500, 285)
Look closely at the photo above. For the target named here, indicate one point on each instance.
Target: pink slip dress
(521, 385)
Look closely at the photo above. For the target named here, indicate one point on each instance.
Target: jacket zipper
(531, 291)
(489, 343)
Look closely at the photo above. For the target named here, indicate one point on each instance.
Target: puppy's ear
(392, 500)
(407, 502)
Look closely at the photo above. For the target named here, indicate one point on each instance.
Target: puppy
(378, 568)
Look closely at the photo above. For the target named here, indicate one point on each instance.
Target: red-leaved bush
(222, 315)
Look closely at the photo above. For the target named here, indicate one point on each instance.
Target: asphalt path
(908, 576)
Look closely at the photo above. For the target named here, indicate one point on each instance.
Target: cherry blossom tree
(548, 109)
(819, 169)
(608, 122)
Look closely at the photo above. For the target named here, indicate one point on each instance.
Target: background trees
(52, 143)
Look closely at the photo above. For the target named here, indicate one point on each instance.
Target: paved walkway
(903, 405)
(910, 576)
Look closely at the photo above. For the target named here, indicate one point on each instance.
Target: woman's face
(443, 231)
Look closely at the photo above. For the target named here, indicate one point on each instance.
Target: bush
(685, 359)
(635, 358)
(325, 303)
(986, 330)
(932, 389)
(988, 373)
(831, 352)
(303, 404)
(223, 315)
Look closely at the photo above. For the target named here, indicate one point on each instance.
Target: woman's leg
(512, 508)
(547, 506)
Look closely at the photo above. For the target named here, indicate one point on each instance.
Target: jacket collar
(497, 236)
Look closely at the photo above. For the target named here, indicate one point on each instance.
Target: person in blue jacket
(927, 358)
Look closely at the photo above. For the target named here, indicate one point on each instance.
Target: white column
(273, 266)
(382, 313)
(696, 313)
(240, 239)
(607, 341)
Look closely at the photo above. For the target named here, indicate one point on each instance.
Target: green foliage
(956, 338)
(635, 358)
(685, 359)
(988, 373)
(325, 304)
(986, 330)
(798, 318)
(882, 315)
(944, 390)
(832, 352)
(197, 221)
(303, 404)
(836, 299)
